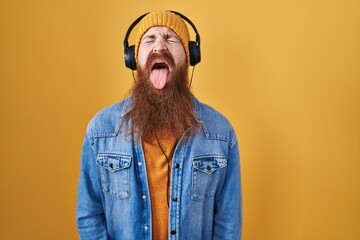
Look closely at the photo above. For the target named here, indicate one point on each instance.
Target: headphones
(129, 51)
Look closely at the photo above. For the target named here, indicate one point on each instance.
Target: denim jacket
(205, 192)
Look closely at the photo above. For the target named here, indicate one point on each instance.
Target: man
(160, 164)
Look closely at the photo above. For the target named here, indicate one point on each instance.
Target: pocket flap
(209, 164)
(113, 162)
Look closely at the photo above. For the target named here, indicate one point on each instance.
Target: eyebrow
(152, 36)
(164, 35)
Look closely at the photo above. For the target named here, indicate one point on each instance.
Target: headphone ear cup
(129, 53)
(194, 51)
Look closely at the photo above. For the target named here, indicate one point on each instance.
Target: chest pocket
(206, 172)
(115, 174)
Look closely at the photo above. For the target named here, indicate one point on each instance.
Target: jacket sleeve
(228, 208)
(90, 216)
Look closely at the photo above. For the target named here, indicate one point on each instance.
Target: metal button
(208, 167)
(173, 232)
(174, 199)
(143, 197)
(177, 165)
(139, 164)
(146, 228)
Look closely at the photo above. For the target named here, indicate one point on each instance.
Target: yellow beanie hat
(164, 18)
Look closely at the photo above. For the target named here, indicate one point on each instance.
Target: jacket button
(174, 199)
(177, 165)
(208, 167)
(173, 232)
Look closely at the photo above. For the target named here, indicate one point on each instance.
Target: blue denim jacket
(205, 193)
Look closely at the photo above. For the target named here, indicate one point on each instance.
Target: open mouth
(159, 66)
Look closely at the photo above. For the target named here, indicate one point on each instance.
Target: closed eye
(173, 39)
(170, 37)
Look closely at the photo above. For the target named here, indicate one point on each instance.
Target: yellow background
(286, 73)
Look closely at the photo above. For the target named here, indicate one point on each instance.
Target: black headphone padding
(129, 51)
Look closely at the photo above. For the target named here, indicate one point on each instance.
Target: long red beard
(164, 113)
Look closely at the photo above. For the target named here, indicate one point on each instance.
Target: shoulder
(107, 121)
(214, 124)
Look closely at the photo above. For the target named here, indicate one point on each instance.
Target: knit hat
(164, 18)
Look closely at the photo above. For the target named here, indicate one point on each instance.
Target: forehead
(160, 30)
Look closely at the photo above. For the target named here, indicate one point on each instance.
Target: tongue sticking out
(159, 77)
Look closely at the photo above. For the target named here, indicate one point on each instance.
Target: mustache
(162, 56)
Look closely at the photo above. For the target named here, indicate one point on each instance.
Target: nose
(160, 44)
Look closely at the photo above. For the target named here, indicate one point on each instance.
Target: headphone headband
(126, 43)
(129, 51)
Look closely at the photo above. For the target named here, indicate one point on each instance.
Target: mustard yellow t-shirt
(157, 173)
